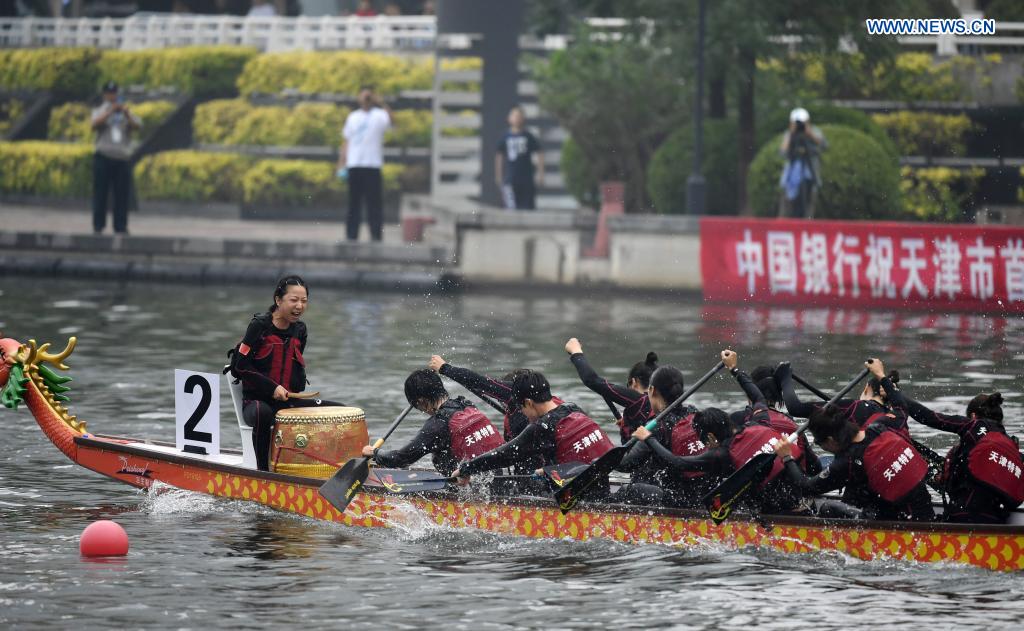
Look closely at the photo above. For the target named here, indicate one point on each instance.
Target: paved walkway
(19, 218)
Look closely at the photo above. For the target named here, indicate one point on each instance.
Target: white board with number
(197, 412)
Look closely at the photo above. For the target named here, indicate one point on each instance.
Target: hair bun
(894, 376)
(652, 359)
(996, 398)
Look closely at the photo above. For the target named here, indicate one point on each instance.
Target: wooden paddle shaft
(394, 426)
(303, 395)
(831, 402)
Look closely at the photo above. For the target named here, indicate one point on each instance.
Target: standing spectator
(113, 123)
(800, 181)
(360, 161)
(514, 164)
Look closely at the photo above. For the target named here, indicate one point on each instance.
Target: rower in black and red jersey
(636, 406)
(730, 447)
(501, 391)
(983, 476)
(558, 432)
(878, 469)
(455, 432)
(270, 365)
(872, 407)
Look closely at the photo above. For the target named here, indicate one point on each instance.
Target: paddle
(568, 495)
(935, 461)
(403, 481)
(347, 481)
(722, 498)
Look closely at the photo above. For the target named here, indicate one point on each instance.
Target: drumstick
(303, 395)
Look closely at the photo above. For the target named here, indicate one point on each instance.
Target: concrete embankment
(58, 242)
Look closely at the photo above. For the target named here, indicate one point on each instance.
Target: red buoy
(103, 538)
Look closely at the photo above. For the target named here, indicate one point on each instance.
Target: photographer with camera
(113, 123)
(801, 146)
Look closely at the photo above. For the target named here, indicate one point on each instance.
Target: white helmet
(799, 115)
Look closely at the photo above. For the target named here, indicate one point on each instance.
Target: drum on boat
(314, 441)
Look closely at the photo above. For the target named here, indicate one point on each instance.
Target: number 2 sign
(197, 412)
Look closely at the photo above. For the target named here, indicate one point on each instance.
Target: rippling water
(200, 562)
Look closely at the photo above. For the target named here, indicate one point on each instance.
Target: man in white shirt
(113, 123)
(361, 159)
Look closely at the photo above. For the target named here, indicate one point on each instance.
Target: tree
(739, 32)
(619, 100)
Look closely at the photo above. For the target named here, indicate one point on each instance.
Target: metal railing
(408, 33)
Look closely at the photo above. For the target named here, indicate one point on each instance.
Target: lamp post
(696, 186)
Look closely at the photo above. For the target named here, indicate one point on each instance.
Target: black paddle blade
(570, 492)
(721, 499)
(344, 484)
(401, 482)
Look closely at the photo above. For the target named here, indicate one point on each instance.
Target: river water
(200, 562)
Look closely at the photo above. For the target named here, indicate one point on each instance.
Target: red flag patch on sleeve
(244, 349)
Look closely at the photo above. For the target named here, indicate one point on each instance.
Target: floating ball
(103, 538)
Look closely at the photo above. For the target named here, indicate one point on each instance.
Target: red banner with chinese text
(862, 263)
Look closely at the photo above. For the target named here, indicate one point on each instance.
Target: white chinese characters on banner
(802, 263)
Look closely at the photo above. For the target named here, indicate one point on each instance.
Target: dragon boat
(31, 375)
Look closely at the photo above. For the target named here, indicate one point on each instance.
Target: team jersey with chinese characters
(537, 442)
(435, 438)
(970, 498)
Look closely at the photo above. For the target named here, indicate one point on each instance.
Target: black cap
(110, 86)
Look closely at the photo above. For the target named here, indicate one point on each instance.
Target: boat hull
(142, 464)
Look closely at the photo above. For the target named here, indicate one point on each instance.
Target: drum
(313, 442)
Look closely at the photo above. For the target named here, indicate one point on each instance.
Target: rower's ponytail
(667, 381)
(987, 406)
(642, 371)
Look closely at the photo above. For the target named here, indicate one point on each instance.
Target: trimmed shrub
(858, 178)
(65, 70)
(46, 168)
(10, 111)
(939, 193)
(203, 71)
(72, 121)
(214, 121)
(304, 183)
(341, 72)
(673, 161)
(927, 133)
(236, 122)
(905, 77)
(191, 176)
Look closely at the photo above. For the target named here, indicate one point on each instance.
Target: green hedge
(200, 70)
(859, 180)
(927, 133)
(64, 70)
(304, 183)
(203, 71)
(904, 77)
(672, 163)
(939, 193)
(73, 121)
(341, 72)
(191, 176)
(236, 122)
(10, 111)
(46, 168)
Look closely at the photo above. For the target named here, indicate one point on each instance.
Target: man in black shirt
(514, 164)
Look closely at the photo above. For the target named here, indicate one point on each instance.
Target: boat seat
(248, 450)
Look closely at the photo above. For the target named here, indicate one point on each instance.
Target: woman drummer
(270, 365)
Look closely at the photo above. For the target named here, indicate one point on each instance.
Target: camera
(801, 126)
